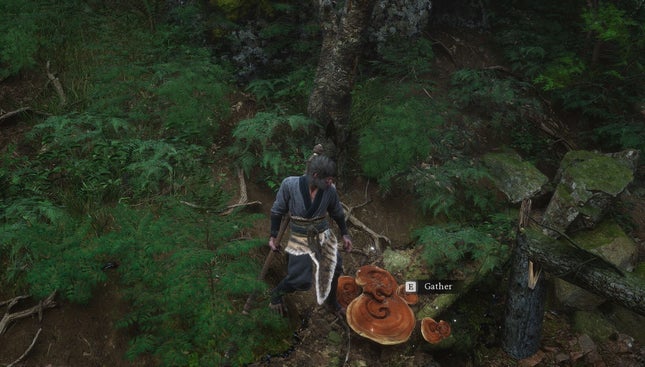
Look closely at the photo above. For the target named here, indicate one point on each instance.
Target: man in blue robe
(312, 246)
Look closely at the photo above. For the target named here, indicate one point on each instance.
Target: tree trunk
(330, 100)
(525, 303)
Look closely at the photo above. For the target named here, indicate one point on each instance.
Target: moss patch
(605, 233)
(592, 324)
(597, 172)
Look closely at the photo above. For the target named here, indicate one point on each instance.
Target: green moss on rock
(605, 233)
(596, 172)
(592, 324)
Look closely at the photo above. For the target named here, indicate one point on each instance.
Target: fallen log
(590, 272)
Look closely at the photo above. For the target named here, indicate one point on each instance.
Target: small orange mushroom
(347, 290)
(409, 298)
(379, 313)
(434, 332)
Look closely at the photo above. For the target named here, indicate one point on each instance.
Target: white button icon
(411, 287)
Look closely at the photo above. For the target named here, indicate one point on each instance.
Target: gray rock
(588, 183)
(517, 179)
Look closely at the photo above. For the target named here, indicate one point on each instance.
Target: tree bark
(525, 303)
(343, 28)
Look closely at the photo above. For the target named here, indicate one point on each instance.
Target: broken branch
(38, 309)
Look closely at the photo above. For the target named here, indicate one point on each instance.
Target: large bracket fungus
(380, 313)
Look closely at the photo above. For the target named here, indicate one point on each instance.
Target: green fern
(450, 247)
(278, 144)
(409, 58)
(400, 137)
(188, 283)
(455, 189)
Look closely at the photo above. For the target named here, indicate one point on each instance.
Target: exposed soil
(85, 335)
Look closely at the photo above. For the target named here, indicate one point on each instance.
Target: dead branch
(12, 302)
(244, 200)
(31, 346)
(356, 222)
(57, 86)
(38, 309)
(13, 113)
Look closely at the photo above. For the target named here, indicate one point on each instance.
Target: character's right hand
(273, 244)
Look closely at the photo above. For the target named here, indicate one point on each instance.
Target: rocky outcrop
(588, 182)
(517, 179)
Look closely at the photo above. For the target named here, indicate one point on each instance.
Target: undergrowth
(123, 172)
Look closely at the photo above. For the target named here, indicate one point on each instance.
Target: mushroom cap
(377, 282)
(347, 290)
(386, 322)
(409, 298)
(434, 332)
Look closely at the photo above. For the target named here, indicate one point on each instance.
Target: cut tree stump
(525, 302)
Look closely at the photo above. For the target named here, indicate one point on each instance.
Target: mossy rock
(627, 322)
(639, 271)
(404, 264)
(596, 172)
(396, 261)
(515, 178)
(609, 241)
(593, 324)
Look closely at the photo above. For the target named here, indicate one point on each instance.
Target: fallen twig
(38, 309)
(11, 114)
(31, 346)
(356, 222)
(57, 86)
(244, 200)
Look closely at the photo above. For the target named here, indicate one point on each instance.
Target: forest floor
(85, 335)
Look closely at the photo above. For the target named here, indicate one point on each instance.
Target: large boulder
(588, 183)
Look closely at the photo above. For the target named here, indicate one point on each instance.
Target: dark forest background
(128, 108)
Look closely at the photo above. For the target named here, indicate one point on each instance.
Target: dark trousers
(300, 278)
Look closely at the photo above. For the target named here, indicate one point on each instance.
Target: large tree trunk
(330, 100)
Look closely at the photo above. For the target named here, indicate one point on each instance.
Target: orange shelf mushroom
(434, 332)
(379, 313)
(409, 298)
(347, 290)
